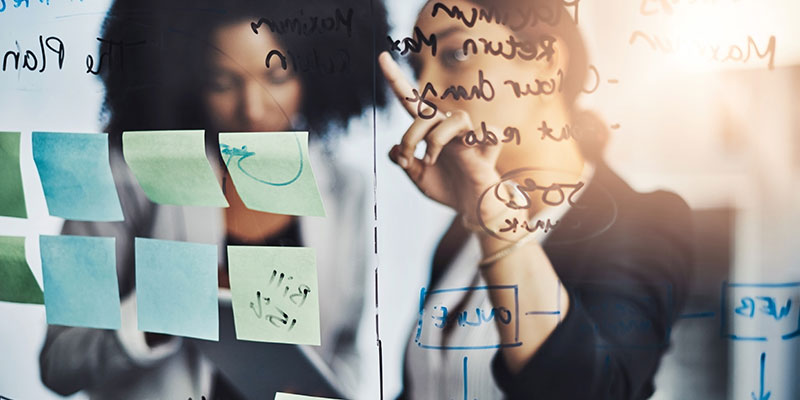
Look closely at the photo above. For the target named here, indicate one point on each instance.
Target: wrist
(469, 195)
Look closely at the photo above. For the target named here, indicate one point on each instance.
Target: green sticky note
(17, 283)
(176, 288)
(172, 168)
(290, 396)
(80, 281)
(274, 294)
(271, 171)
(12, 196)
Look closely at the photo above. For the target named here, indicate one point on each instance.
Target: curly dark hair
(154, 58)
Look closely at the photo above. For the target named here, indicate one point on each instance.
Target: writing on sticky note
(17, 283)
(12, 195)
(76, 176)
(271, 172)
(80, 281)
(176, 288)
(172, 168)
(274, 294)
(290, 396)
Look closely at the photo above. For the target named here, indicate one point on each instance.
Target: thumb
(413, 166)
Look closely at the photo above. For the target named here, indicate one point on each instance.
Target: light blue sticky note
(291, 396)
(80, 281)
(76, 176)
(176, 288)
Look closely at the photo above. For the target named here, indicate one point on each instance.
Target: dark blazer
(625, 259)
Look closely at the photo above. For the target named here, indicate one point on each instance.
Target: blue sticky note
(80, 281)
(76, 176)
(176, 288)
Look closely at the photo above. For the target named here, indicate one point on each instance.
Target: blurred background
(722, 133)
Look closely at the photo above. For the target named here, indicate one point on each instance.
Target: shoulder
(660, 208)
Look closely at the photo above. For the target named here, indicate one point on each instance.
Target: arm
(74, 358)
(455, 175)
(640, 274)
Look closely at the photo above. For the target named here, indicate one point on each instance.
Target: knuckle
(436, 142)
(461, 115)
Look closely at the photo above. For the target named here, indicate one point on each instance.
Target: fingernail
(402, 161)
(428, 159)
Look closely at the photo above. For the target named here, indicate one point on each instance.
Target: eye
(453, 58)
(278, 76)
(221, 82)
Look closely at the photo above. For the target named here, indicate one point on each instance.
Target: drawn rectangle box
(760, 311)
(427, 319)
(627, 324)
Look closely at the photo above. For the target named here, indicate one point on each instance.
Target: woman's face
(243, 94)
(451, 67)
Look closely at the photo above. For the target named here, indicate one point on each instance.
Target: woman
(207, 65)
(551, 247)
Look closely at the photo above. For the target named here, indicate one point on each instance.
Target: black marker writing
(30, 61)
(330, 62)
(529, 185)
(513, 224)
(414, 44)
(107, 48)
(483, 90)
(524, 50)
(540, 87)
(709, 51)
(308, 25)
(516, 18)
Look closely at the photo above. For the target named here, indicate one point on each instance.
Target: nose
(255, 105)
(260, 109)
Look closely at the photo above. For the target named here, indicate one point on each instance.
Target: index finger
(400, 86)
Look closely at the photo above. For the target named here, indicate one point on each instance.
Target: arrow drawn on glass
(762, 395)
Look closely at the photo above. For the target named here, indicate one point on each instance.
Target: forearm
(538, 289)
(75, 358)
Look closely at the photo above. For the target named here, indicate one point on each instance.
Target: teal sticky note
(76, 176)
(17, 283)
(274, 294)
(271, 171)
(172, 168)
(176, 288)
(80, 281)
(290, 396)
(12, 195)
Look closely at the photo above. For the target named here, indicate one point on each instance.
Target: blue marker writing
(243, 154)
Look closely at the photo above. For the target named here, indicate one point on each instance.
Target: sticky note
(271, 171)
(176, 288)
(172, 168)
(17, 283)
(12, 196)
(274, 294)
(76, 175)
(290, 396)
(80, 281)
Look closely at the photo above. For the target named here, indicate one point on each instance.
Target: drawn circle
(284, 183)
(591, 233)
